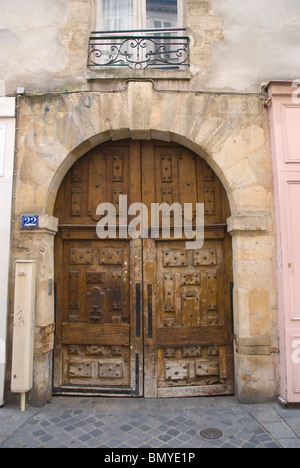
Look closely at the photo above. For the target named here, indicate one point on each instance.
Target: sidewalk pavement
(75, 422)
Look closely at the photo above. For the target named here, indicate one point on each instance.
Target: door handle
(150, 311)
(138, 310)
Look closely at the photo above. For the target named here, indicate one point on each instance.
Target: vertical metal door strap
(137, 374)
(150, 326)
(138, 310)
(231, 306)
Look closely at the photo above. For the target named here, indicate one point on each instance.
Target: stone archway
(226, 131)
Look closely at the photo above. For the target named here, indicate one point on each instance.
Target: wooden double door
(142, 317)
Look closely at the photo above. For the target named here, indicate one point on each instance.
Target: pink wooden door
(285, 123)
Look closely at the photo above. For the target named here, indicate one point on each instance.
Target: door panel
(145, 316)
(191, 347)
(193, 332)
(172, 174)
(98, 334)
(98, 177)
(98, 346)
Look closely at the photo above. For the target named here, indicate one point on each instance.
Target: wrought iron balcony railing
(139, 50)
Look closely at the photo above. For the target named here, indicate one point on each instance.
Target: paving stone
(279, 430)
(291, 417)
(266, 415)
(290, 443)
(145, 428)
(173, 432)
(125, 428)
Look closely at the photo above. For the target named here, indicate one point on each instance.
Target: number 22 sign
(30, 222)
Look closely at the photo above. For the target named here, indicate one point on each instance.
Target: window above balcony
(139, 38)
(124, 15)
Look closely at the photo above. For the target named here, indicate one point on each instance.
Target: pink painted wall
(285, 131)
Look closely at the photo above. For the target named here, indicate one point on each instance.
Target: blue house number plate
(30, 222)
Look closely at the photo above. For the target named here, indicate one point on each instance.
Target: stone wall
(235, 45)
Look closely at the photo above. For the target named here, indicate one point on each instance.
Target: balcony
(158, 49)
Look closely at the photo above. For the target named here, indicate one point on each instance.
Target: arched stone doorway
(228, 132)
(142, 317)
